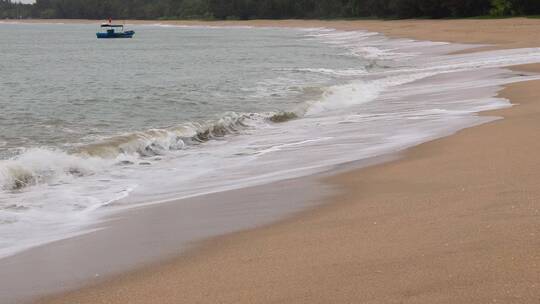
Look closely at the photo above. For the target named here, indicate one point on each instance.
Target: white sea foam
(43, 166)
(343, 96)
(332, 72)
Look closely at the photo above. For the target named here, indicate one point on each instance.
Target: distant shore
(504, 33)
(455, 220)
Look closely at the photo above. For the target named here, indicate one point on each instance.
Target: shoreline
(247, 266)
(516, 32)
(125, 241)
(103, 292)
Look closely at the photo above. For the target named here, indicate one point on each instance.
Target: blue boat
(114, 31)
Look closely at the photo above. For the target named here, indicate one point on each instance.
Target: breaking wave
(283, 116)
(45, 165)
(40, 165)
(52, 166)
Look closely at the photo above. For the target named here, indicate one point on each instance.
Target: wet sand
(455, 220)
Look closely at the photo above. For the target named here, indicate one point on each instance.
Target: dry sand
(456, 220)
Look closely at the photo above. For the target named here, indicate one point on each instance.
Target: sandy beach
(455, 220)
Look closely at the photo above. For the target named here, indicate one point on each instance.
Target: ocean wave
(41, 165)
(51, 165)
(283, 116)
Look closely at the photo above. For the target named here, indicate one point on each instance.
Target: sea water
(89, 127)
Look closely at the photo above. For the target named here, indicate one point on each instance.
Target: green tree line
(267, 9)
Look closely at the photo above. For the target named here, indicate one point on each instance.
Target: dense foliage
(273, 9)
(13, 10)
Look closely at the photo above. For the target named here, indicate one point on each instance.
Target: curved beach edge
(453, 220)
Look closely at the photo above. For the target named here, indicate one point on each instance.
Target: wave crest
(45, 165)
(41, 165)
(283, 117)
